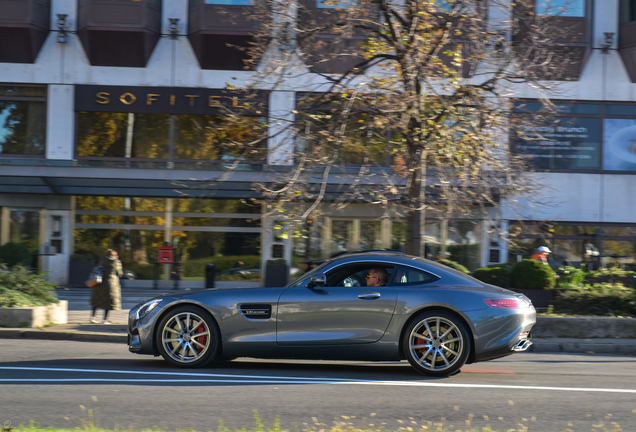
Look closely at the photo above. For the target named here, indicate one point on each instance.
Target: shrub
(15, 254)
(598, 300)
(570, 277)
(454, 265)
(21, 288)
(495, 275)
(531, 274)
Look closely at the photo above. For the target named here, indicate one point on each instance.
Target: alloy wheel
(436, 344)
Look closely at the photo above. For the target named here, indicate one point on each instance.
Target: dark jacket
(107, 295)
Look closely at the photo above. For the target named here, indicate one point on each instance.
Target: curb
(68, 335)
(583, 346)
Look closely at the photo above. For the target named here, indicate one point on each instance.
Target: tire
(188, 337)
(436, 343)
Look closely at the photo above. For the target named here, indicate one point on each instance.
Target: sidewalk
(79, 327)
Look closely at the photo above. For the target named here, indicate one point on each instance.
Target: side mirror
(317, 280)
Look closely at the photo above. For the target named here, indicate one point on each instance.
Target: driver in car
(377, 277)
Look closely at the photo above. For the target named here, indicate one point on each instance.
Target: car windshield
(304, 278)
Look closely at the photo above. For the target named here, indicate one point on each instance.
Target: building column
(60, 122)
(280, 148)
(167, 237)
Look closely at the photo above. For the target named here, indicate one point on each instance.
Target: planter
(276, 275)
(541, 298)
(36, 316)
(585, 327)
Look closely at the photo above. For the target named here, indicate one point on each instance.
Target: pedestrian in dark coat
(107, 295)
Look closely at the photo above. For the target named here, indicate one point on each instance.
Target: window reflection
(122, 135)
(219, 138)
(341, 235)
(565, 8)
(370, 235)
(24, 228)
(22, 127)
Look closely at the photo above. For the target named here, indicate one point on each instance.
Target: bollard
(210, 269)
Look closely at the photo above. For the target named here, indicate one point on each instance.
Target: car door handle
(369, 296)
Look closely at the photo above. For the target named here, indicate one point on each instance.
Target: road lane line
(189, 374)
(255, 379)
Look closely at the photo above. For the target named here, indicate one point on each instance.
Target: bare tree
(401, 103)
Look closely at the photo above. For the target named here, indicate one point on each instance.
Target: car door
(347, 312)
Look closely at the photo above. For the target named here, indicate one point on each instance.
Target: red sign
(166, 255)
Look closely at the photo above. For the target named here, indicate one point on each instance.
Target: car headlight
(145, 308)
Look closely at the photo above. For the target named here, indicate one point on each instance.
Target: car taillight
(506, 303)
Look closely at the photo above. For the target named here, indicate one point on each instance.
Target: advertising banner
(565, 143)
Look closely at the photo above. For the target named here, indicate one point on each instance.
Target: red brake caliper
(201, 339)
(420, 341)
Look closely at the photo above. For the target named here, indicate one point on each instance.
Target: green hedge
(454, 265)
(599, 300)
(21, 288)
(15, 254)
(531, 274)
(495, 275)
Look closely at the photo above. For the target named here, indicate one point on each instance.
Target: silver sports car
(379, 306)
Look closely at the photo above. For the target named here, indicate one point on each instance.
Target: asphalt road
(68, 384)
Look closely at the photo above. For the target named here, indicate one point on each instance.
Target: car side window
(354, 275)
(410, 276)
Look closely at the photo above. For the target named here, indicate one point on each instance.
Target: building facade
(104, 106)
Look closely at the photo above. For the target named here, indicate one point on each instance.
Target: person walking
(107, 294)
(541, 254)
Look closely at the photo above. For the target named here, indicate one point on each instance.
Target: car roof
(403, 259)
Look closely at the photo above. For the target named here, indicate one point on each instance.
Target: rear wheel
(436, 343)
(188, 337)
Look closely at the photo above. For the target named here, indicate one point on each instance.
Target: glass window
(569, 252)
(231, 2)
(136, 248)
(224, 250)
(626, 110)
(619, 144)
(432, 238)
(24, 228)
(219, 138)
(359, 145)
(565, 8)
(216, 206)
(341, 235)
(122, 135)
(120, 203)
(619, 231)
(411, 276)
(618, 253)
(574, 230)
(463, 243)
(22, 126)
(370, 235)
(335, 4)
(627, 11)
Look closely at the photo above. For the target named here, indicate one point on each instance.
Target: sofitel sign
(169, 100)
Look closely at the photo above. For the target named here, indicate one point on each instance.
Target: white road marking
(257, 379)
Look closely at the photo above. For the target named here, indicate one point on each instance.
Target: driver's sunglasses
(369, 276)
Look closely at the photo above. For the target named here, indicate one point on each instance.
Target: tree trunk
(416, 216)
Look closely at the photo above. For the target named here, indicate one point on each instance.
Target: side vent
(256, 311)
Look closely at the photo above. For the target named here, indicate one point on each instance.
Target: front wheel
(436, 343)
(188, 337)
